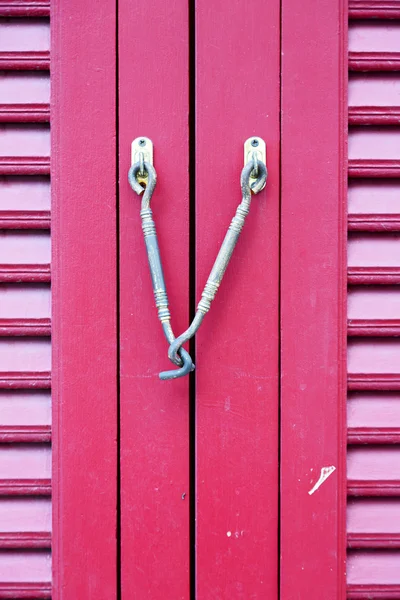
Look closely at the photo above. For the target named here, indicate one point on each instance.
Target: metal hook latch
(143, 178)
(253, 179)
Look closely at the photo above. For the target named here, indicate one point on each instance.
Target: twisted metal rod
(183, 360)
(258, 168)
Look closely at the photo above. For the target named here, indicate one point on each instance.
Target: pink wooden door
(192, 520)
(272, 471)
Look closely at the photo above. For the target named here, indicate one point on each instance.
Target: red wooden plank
(375, 327)
(313, 294)
(373, 381)
(374, 592)
(237, 96)
(25, 487)
(24, 165)
(24, 113)
(36, 60)
(153, 101)
(373, 540)
(373, 435)
(24, 219)
(84, 376)
(22, 380)
(374, 222)
(24, 8)
(11, 434)
(370, 488)
(374, 275)
(374, 61)
(374, 9)
(25, 540)
(24, 273)
(374, 115)
(25, 327)
(25, 591)
(374, 168)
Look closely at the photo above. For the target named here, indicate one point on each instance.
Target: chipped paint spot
(325, 472)
(229, 533)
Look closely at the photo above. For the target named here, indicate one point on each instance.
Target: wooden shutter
(153, 80)
(373, 512)
(80, 548)
(236, 381)
(313, 299)
(25, 350)
(84, 298)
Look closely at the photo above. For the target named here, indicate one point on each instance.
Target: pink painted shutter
(79, 489)
(82, 371)
(25, 349)
(84, 299)
(373, 409)
(153, 81)
(313, 299)
(236, 381)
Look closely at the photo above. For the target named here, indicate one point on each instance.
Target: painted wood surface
(154, 417)
(25, 346)
(313, 299)
(84, 279)
(237, 96)
(373, 408)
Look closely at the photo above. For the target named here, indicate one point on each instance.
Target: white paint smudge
(325, 472)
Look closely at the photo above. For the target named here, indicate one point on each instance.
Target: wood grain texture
(313, 299)
(237, 345)
(154, 414)
(84, 375)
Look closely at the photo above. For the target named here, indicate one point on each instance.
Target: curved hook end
(187, 367)
(260, 182)
(135, 185)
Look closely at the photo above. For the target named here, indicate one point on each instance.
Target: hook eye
(137, 187)
(258, 184)
(187, 367)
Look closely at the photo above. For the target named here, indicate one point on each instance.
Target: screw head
(142, 142)
(254, 143)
